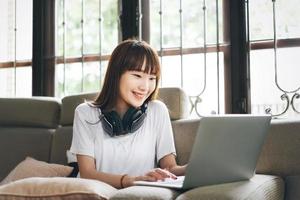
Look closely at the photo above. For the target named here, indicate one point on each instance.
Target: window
(195, 41)
(185, 34)
(275, 83)
(87, 32)
(15, 48)
(188, 36)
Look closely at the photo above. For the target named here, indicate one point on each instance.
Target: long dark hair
(128, 55)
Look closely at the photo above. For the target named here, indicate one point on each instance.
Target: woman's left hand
(153, 175)
(160, 174)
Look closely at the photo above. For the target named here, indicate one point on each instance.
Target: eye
(136, 75)
(153, 78)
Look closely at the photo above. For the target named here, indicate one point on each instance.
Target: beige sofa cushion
(259, 187)
(184, 134)
(280, 153)
(60, 144)
(19, 142)
(56, 188)
(69, 103)
(34, 168)
(176, 100)
(30, 112)
(145, 193)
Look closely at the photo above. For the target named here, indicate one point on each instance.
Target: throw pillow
(31, 167)
(56, 188)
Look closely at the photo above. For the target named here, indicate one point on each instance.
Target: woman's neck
(121, 109)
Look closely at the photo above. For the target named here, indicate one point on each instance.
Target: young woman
(125, 135)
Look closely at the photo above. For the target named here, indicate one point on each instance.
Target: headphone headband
(132, 120)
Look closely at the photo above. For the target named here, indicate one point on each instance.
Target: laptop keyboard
(179, 180)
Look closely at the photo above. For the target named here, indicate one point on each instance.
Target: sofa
(41, 127)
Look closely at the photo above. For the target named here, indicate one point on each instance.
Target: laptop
(226, 149)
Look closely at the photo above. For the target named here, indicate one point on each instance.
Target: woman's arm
(87, 169)
(168, 162)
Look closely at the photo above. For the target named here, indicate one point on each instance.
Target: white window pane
(190, 75)
(104, 65)
(261, 19)
(109, 25)
(91, 27)
(171, 23)
(287, 18)
(194, 81)
(71, 82)
(24, 30)
(7, 82)
(155, 24)
(77, 77)
(16, 45)
(264, 93)
(211, 21)
(288, 68)
(7, 39)
(171, 71)
(260, 13)
(73, 78)
(192, 24)
(59, 80)
(91, 79)
(24, 81)
(21, 86)
(59, 31)
(73, 35)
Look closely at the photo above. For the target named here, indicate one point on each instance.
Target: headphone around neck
(132, 120)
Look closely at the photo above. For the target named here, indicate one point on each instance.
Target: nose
(144, 84)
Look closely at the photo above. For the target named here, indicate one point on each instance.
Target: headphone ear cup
(112, 120)
(129, 119)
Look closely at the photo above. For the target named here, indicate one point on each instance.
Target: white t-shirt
(135, 153)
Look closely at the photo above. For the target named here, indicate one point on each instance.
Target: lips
(139, 95)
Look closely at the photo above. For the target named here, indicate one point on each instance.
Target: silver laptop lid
(226, 149)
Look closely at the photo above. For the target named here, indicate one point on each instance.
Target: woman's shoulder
(86, 107)
(157, 105)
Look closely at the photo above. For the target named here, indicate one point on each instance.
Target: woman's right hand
(153, 175)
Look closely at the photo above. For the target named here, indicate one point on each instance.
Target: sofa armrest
(280, 153)
(265, 187)
(292, 187)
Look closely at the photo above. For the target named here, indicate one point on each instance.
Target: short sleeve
(83, 139)
(165, 141)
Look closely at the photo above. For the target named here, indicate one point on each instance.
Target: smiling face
(131, 78)
(135, 88)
